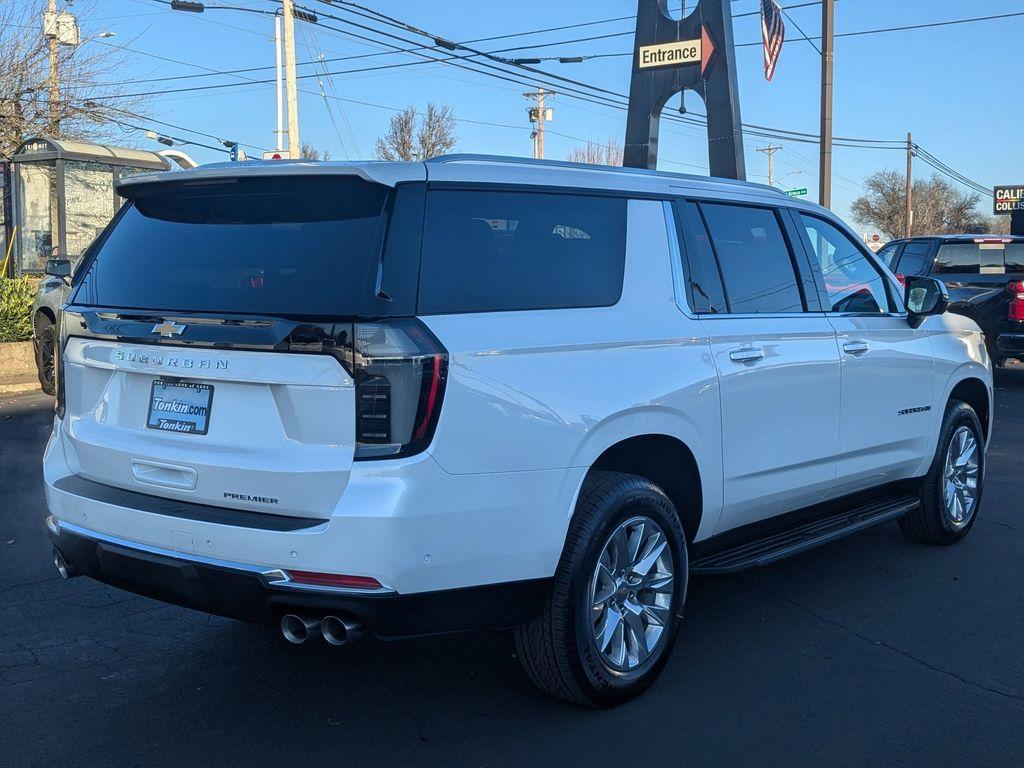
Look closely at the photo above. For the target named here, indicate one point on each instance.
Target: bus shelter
(63, 196)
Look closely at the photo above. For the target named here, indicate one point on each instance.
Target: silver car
(52, 293)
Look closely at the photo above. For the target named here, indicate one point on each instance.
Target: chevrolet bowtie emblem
(168, 329)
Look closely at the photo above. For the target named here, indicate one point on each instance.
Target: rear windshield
(993, 258)
(295, 246)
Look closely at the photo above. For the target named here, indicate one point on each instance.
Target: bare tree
(939, 207)
(998, 225)
(410, 138)
(94, 103)
(308, 152)
(595, 153)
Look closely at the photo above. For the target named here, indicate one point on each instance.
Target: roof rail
(481, 158)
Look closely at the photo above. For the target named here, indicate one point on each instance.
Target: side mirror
(58, 267)
(924, 297)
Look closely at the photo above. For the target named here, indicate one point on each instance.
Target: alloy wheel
(631, 594)
(960, 479)
(47, 348)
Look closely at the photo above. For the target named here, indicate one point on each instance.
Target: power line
(614, 100)
(925, 25)
(595, 98)
(570, 92)
(947, 170)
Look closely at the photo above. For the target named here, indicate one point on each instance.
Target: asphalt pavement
(873, 651)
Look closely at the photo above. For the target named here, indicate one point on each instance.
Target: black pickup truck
(985, 278)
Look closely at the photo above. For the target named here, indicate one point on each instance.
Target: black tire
(931, 522)
(557, 649)
(46, 344)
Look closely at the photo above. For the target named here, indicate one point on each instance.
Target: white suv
(411, 398)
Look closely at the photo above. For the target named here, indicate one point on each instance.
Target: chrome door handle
(855, 347)
(748, 355)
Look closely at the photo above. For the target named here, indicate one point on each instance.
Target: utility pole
(770, 151)
(908, 214)
(54, 102)
(288, 12)
(280, 98)
(828, 30)
(539, 115)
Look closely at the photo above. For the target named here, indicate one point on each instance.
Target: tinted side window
(958, 258)
(490, 251)
(704, 281)
(914, 260)
(888, 255)
(755, 261)
(852, 282)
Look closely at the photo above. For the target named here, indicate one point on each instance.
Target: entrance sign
(1008, 199)
(672, 55)
(683, 52)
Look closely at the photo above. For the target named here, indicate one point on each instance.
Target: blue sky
(954, 87)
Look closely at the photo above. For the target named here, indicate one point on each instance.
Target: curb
(17, 358)
(16, 389)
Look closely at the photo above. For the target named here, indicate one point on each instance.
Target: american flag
(773, 32)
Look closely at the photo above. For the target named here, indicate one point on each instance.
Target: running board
(804, 537)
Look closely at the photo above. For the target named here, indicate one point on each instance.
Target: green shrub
(16, 297)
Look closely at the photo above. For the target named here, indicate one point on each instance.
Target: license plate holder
(182, 407)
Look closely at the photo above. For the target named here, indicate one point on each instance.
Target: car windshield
(296, 246)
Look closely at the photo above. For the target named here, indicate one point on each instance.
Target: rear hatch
(207, 345)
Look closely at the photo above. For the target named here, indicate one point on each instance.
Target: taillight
(66, 321)
(1016, 289)
(400, 370)
(902, 279)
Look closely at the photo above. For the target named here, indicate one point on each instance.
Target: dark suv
(985, 278)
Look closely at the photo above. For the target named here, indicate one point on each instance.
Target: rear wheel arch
(668, 463)
(43, 315)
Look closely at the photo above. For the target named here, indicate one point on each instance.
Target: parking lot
(872, 651)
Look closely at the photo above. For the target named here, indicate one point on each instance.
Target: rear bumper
(1010, 344)
(407, 523)
(249, 593)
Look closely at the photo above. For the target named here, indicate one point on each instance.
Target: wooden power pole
(54, 101)
(288, 14)
(908, 214)
(828, 29)
(770, 151)
(538, 115)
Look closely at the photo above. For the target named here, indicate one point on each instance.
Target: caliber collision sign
(1009, 199)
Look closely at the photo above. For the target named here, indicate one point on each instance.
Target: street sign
(681, 52)
(797, 192)
(677, 52)
(1008, 199)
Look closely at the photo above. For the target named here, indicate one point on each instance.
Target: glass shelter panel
(36, 217)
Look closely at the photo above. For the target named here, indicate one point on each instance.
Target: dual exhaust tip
(334, 629)
(296, 629)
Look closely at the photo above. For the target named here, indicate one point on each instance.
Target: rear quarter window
(491, 251)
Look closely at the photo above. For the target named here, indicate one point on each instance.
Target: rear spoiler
(388, 174)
